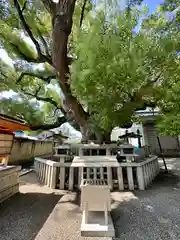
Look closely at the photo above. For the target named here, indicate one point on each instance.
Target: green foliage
(25, 109)
(33, 112)
(116, 67)
(12, 34)
(14, 44)
(7, 76)
(25, 103)
(169, 102)
(170, 5)
(21, 50)
(168, 96)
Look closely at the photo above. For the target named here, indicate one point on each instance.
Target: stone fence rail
(124, 176)
(25, 149)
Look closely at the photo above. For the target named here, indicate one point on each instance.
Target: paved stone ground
(38, 213)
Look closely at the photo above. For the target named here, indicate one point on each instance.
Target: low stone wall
(9, 181)
(24, 150)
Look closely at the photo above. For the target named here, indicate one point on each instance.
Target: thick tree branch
(151, 82)
(44, 99)
(45, 79)
(136, 99)
(74, 124)
(29, 32)
(58, 123)
(82, 12)
(138, 95)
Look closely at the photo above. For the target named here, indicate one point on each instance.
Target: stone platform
(96, 226)
(9, 181)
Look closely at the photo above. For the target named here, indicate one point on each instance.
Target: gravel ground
(38, 213)
(148, 215)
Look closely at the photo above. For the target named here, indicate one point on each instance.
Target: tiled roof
(12, 123)
(12, 118)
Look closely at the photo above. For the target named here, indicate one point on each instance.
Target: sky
(152, 4)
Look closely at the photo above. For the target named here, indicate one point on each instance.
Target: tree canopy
(118, 69)
(29, 72)
(115, 69)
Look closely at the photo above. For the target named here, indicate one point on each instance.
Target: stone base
(96, 225)
(9, 192)
(9, 181)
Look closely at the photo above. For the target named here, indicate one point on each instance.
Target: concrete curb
(26, 172)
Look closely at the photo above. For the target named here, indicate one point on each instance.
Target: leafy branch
(58, 123)
(41, 56)
(45, 79)
(24, 56)
(4, 75)
(138, 94)
(44, 99)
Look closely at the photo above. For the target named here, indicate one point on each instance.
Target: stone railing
(126, 175)
(24, 150)
(46, 171)
(145, 172)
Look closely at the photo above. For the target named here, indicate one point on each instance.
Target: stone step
(96, 225)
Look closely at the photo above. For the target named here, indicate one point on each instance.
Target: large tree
(114, 69)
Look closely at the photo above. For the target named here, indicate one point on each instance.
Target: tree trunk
(62, 13)
(95, 137)
(106, 137)
(62, 24)
(85, 135)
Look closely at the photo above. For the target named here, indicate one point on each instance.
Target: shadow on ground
(76, 200)
(23, 215)
(152, 214)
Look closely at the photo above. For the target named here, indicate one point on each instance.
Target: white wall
(120, 131)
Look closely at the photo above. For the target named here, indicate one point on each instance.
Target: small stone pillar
(62, 152)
